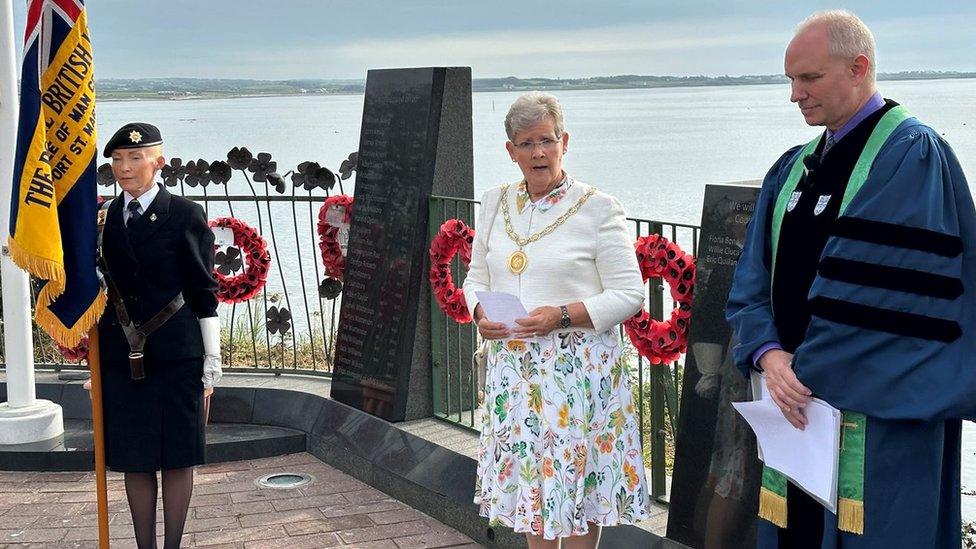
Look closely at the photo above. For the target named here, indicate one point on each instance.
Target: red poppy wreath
(244, 286)
(663, 341)
(328, 229)
(76, 353)
(453, 237)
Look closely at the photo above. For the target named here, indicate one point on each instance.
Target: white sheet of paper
(808, 457)
(343, 238)
(223, 236)
(502, 307)
(335, 216)
(759, 389)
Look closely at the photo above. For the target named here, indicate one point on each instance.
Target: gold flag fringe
(70, 336)
(772, 507)
(47, 269)
(850, 515)
(53, 272)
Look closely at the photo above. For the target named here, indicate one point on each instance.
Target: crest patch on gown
(794, 198)
(821, 204)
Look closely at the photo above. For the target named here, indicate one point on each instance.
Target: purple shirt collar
(869, 108)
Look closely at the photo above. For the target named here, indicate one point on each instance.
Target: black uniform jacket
(170, 249)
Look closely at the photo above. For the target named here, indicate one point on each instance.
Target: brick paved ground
(53, 510)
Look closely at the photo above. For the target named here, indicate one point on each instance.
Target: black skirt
(157, 422)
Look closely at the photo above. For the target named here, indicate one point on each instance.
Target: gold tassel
(71, 336)
(850, 515)
(46, 269)
(53, 272)
(772, 507)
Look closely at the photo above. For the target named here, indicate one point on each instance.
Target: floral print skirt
(559, 437)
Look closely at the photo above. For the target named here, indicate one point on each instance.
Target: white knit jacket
(590, 258)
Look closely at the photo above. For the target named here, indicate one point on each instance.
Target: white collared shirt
(144, 202)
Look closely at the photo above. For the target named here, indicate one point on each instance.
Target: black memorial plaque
(415, 141)
(715, 487)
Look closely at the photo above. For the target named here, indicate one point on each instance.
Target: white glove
(210, 330)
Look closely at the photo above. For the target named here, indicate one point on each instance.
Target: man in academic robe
(857, 285)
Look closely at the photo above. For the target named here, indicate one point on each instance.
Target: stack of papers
(502, 307)
(808, 457)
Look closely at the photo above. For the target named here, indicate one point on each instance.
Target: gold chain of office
(519, 260)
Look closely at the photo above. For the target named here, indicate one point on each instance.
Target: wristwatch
(565, 321)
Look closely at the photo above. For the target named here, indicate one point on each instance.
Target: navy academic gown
(893, 333)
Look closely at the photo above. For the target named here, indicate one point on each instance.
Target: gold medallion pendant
(517, 262)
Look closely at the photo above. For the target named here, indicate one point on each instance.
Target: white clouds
(650, 48)
(344, 38)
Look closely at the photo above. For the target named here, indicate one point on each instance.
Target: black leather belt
(137, 335)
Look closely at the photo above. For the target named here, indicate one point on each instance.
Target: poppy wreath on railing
(663, 341)
(328, 229)
(77, 353)
(454, 237)
(243, 286)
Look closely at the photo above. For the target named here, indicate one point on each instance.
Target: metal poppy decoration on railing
(201, 173)
(349, 165)
(239, 158)
(219, 172)
(277, 181)
(278, 320)
(261, 166)
(229, 261)
(105, 176)
(173, 172)
(197, 173)
(311, 175)
(330, 288)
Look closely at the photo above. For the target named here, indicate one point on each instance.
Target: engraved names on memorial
(399, 155)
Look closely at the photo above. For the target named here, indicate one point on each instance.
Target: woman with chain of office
(560, 449)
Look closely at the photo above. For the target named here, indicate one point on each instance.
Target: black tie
(135, 212)
(828, 144)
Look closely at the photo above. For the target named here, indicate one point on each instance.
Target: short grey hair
(849, 36)
(532, 108)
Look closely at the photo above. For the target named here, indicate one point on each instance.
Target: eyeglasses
(529, 146)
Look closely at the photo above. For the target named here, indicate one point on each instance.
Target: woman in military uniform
(157, 254)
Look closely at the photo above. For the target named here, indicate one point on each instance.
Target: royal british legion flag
(53, 205)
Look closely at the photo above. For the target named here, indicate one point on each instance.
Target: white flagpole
(23, 418)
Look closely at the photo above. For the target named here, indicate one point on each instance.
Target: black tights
(141, 489)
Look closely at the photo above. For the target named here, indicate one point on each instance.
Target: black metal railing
(290, 325)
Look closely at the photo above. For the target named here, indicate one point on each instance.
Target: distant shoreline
(187, 89)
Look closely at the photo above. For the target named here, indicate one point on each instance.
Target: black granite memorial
(415, 141)
(715, 487)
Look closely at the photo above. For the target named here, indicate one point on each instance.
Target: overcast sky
(280, 39)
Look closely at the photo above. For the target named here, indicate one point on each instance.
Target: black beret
(133, 135)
